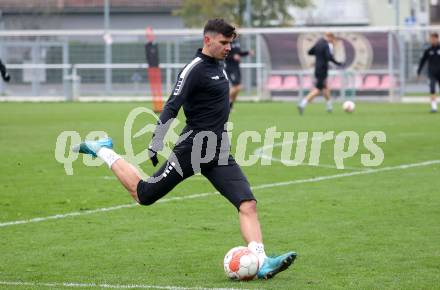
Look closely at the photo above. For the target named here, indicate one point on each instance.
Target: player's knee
(145, 194)
(145, 199)
(248, 207)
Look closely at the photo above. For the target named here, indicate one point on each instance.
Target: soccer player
(323, 52)
(432, 55)
(232, 66)
(4, 72)
(153, 71)
(203, 90)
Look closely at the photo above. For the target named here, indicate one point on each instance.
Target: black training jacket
(321, 50)
(202, 89)
(432, 55)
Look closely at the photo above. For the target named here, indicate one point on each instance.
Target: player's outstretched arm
(331, 58)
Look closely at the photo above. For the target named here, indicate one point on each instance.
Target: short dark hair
(434, 34)
(219, 25)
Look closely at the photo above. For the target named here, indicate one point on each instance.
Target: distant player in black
(432, 55)
(151, 49)
(202, 89)
(232, 65)
(153, 71)
(323, 52)
(4, 72)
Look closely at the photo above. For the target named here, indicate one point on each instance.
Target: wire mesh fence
(380, 63)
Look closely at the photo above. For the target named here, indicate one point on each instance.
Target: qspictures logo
(287, 148)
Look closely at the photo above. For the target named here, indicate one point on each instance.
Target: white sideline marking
(199, 195)
(416, 100)
(60, 216)
(112, 286)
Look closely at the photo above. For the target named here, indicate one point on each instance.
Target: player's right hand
(153, 156)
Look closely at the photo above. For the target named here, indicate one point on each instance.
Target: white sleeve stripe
(190, 66)
(183, 75)
(226, 75)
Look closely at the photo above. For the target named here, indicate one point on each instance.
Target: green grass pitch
(375, 230)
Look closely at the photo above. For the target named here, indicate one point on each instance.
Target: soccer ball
(241, 264)
(348, 106)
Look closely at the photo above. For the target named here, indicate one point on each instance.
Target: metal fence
(111, 65)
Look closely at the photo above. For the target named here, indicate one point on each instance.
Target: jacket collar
(205, 57)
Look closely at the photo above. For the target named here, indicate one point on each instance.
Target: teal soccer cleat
(92, 147)
(274, 265)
